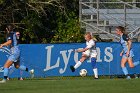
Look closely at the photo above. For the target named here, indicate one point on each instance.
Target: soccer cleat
(20, 78)
(128, 77)
(32, 73)
(72, 68)
(96, 78)
(3, 81)
(136, 76)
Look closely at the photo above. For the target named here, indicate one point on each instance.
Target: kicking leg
(24, 68)
(78, 64)
(132, 65)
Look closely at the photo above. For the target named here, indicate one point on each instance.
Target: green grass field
(71, 85)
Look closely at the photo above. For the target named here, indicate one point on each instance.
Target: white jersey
(91, 52)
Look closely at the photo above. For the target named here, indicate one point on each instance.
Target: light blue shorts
(15, 54)
(130, 55)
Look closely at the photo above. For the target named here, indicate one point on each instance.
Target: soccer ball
(83, 72)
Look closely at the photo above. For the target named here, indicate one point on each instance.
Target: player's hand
(1, 45)
(121, 53)
(127, 53)
(79, 50)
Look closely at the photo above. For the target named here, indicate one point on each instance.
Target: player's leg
(124, 69)
(130, 60)
(136, 63)
(16, 60)
(78, 64)
(11, 70)
(132, 65)
(95, 70)
(24, 68)
(21, 73)
(6, 70)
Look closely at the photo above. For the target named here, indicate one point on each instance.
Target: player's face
(87, 37)
(17, 35)
(118, 32)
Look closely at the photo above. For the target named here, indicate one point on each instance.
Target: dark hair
(122, 29)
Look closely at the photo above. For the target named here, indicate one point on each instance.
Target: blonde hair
(91, 36)
(88, 33)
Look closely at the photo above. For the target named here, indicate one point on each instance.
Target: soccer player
(127, 51)
(13, 43)
(88, 51)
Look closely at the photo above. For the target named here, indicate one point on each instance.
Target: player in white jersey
(88, 52)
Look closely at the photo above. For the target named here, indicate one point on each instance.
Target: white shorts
(89, 53)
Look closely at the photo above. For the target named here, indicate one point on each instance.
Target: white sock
(78, 64)
(95, 70)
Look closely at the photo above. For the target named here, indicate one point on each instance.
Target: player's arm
(129, 43)
(10, 37)
(82, 50)
(87, 48)
(121, 53)
(6, 43)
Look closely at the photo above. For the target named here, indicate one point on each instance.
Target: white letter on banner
(98, 54)
(76, 57)
(48, 62)
(108, 52)
(66, 59)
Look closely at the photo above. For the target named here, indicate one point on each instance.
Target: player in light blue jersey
(127, 51)
(13, 43)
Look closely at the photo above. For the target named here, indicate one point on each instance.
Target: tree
(44, 21)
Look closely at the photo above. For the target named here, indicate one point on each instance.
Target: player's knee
(84, 55)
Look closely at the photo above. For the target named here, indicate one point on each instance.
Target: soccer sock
(6, 73)
(77, 64)
(125, 71)
(11, 69)
(95, 70)
(23, 68)
(136, 63)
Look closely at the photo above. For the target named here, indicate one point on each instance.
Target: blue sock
(6, 70)
(93, 62)
(22, 68)
(136, 63)
(125, 71)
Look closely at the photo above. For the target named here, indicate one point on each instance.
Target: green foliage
(68, 31)
(50, 22)
(31, 22)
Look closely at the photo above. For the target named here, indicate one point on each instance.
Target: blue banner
(55, 59)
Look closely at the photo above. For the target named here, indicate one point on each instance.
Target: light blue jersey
(124, 42)
(14, 47)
